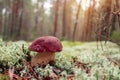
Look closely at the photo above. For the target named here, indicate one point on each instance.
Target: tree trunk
(6, 20)
(1, 8)
(86, 30)
(117, 8)
(17, 14)
(76, 20)
(56, 17)
(20, 20)
(64, 19)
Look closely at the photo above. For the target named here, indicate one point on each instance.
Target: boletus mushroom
(45, 47)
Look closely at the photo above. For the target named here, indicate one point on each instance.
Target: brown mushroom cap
(46, 44)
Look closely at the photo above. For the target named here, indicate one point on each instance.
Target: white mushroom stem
(42, 58)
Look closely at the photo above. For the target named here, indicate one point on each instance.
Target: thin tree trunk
(17, 14)
(42, 20)
(118, 7)
(76, 20)
(1, 7)
(64, 19)
(69, 23)
(6, 20)
(56, 17)
(20, 21)
(36, 19)
(87, 23)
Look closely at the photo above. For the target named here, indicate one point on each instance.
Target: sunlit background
(66, 19)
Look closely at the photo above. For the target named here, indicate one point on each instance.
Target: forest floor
(77, 61)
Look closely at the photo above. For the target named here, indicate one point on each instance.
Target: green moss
(3, 77)
(70, 43)
(87, 53)
(116, 35)
(11, 53)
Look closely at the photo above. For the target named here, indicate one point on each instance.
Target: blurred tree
(39, 17)
(1, 9)
(6, 19)
(56, 17)
(88, 27)
(76, 19)
(106, 24)
(67, 22)
(64, 18)
(117, 7)
(68, 19)
(28, 21)
(16, 19)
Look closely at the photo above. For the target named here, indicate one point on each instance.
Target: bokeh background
(77, 20)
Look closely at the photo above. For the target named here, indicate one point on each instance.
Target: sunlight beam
(78, 1)
(84, 3)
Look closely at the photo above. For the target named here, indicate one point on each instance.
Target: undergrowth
(77, 61)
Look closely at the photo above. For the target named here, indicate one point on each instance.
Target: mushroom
(45, 47)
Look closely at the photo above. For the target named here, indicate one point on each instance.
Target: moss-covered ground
(77, 61)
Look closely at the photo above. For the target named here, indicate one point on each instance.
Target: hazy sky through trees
(47, 6)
